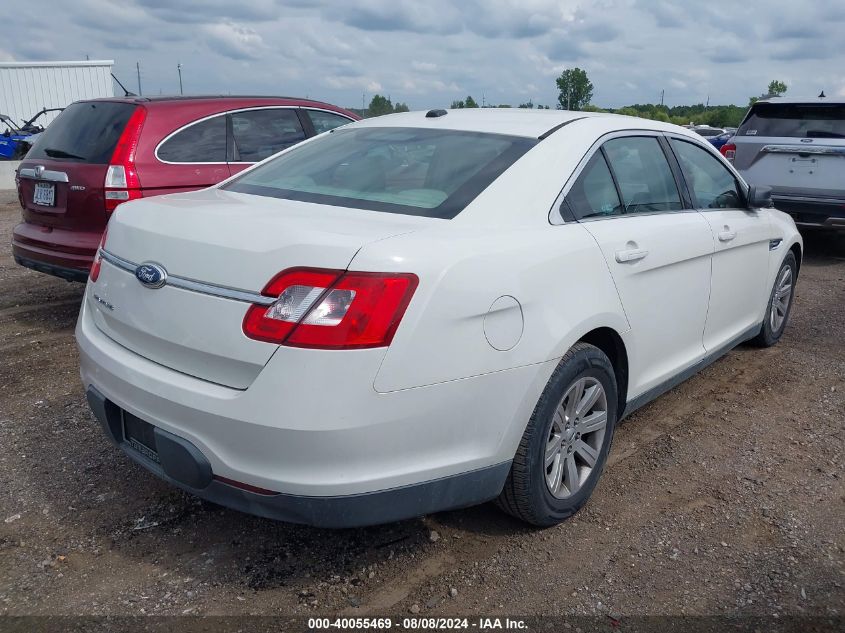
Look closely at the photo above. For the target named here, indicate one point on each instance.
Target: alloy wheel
(575, 437)
(781, 299)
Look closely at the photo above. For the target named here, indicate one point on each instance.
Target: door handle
(630, 255)
(727, 235)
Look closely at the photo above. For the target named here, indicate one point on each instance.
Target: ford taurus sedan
(426, 311)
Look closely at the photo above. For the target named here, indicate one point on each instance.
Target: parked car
(720, 139)
(16, 140)
(100, 153)
(797, 147)
(708, 132)
(426, 311)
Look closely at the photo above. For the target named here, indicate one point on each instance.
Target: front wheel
(780, 303)
(565, 445)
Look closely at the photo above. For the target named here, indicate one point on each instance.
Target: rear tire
(780, 303)
(564, 448)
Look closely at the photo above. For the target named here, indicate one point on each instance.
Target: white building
(27, 87)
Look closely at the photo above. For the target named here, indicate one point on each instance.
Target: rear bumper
(184, 466)
(312, 428)
(826, 213)
(69, 274)
(55, 251)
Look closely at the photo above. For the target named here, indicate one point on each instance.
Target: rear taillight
(122, 182)
(98, 258)
(331, 309)
(728, 151)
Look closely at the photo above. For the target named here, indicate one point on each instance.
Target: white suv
(426, 311)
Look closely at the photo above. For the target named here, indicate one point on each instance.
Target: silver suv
(797, 147)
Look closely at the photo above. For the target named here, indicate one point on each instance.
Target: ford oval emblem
(151, 275)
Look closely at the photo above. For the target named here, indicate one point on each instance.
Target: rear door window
(643, 175)
(594, 193)
(712, 184)
(85, 132)
(202, 142)
(324, 121)
(259, 134)
(795, 120)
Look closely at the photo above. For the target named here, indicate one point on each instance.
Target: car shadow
(823, 247)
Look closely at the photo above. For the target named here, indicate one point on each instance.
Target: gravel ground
(725, 496)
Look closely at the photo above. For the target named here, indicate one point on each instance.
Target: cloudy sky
(429, 52)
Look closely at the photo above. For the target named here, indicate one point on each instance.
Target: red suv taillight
(98, 259)
(331, 309)
(122, 182)
(728, 151)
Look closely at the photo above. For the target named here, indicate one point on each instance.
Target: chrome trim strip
(219, 291)
(192, 285)
(114, 260)
(46, 174)
(804, 149)
(775, 244)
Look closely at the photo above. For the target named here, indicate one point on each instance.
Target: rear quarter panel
(163, 118)
(556, 273)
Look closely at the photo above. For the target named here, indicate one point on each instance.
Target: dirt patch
(725, 496)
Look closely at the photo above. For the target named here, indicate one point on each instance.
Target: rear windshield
(85, 132)
(430, 173)
(795, 120)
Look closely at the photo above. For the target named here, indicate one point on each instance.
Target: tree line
(575, 92)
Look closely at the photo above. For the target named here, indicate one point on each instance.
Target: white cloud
(429, 53)
(234, 40)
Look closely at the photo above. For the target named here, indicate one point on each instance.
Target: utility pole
(179, 70)
(661, 96)
(138, 70)
(363, 98)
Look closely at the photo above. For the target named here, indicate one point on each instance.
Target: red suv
(100, 153)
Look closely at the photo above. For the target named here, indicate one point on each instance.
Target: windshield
(431, 173)
(795, 120)
(86, 131)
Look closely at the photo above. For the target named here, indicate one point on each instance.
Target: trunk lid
(233, 242)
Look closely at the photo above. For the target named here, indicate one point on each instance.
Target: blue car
(15, 141)
(722, 138)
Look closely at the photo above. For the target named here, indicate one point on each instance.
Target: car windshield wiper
(58, 153)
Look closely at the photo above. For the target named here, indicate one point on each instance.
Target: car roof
(511, 121)
(803, 100)
(205, 98)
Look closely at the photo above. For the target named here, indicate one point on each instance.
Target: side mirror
(760, 197)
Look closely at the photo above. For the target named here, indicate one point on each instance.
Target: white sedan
(426, 311)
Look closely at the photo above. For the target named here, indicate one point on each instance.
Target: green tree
(379, 105)
(401, 107)
(776, 87)
(576, 90)
(529, 105)
(469, 102)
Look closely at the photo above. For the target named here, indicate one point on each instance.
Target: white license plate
(45, 194)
